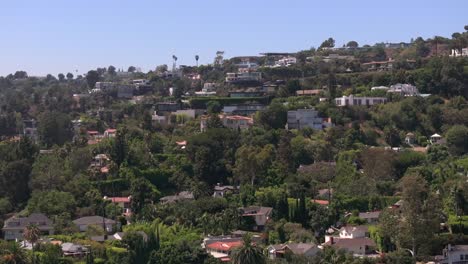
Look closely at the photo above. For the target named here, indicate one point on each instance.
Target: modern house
(243, 109)
(403, 89)
(239, 77)
(14, 226)
(260, 214)
(163, 107)
(458, 53)
(285, 61)
(84, 222)
(303, 118)
(208, 89)
(282, 250)
(355, 100)
(455, 254)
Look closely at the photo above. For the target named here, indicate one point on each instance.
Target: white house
(403, 89)
(355, 100)
(455, 254)
(354, 231)
(303, 118)
(436, 138)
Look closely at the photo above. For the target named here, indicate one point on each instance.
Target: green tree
(61, 77)
(457, 140)
(111, 70)
(131, 69)
(54, 128)
(69, 76)
(329, 43)
(213, 107)
(51, 203)
(32, 234)
(13, 253)
(352, 44)
(248, 253)
(274, 117)
(92, 77)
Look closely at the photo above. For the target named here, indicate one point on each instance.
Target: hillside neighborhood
(336, 154)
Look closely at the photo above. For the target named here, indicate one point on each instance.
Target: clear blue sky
(55, 36)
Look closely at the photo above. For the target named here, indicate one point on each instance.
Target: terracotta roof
(93, 132)
(238, 117)
(224, 246)
(321, 202)
(181, 143)
(111, 130)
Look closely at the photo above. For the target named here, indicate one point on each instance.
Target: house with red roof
(223, 249)
(122, 202)
(110, 133)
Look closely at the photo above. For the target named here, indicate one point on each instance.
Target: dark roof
(92, 220)
(256, 210)
(38, 219)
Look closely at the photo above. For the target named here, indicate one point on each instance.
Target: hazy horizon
(56, 37)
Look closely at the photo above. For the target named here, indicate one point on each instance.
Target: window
(461, 257)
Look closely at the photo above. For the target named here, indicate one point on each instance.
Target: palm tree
(248, 253)
(196, 58)
(14, 254)
(32, 234)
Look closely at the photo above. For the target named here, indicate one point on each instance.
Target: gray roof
(38, 219)
(369, 215)
(460, 247)
(256, 210)
(296, 248)
(355, 228)
(93, 220)
(185, 195)
(351, 242)
(73, 248)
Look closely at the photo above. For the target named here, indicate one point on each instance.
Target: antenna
(174, 63)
